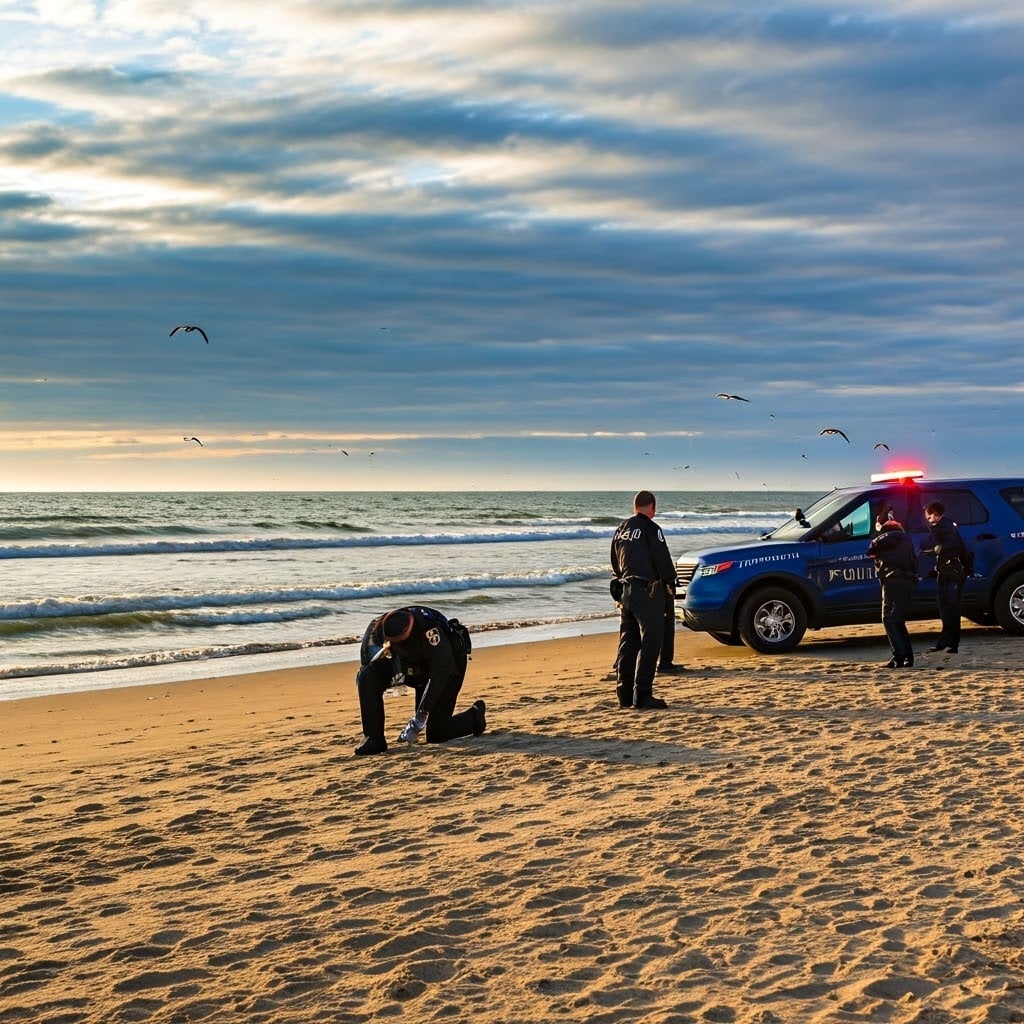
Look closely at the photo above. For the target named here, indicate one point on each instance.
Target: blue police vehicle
(814, 570)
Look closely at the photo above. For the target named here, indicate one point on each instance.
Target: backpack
(460, 634)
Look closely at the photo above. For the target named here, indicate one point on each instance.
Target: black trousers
(896, 595)
(641, 631)
(948, 592)
(442, 723)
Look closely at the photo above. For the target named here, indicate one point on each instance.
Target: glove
(411, 733)
(379, 652)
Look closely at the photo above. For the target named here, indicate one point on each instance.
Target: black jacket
(894, 555)
(431, 658)
(639, 552)
(950, 550)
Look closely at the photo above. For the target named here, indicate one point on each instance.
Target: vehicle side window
(854, 524)
(1014, 497)
(860, 520)
(961, 506)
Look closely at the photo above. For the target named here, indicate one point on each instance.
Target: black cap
(396, 623)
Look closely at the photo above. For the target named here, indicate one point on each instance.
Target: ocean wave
(126, 621)
(68, 610)
(716, 525)
(171, 657)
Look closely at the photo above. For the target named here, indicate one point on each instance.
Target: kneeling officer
(417, 647)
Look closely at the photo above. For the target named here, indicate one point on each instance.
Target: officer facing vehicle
(896, 567)
(643, 573)
(951, 571)
(417, 647)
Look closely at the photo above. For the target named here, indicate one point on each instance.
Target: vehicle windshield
(814, 515)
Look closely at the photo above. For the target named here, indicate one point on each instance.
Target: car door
(841, 569)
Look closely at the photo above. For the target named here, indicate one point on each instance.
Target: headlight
(714, 570)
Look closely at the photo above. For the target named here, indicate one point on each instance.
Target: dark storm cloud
(19, 201)
(107, 80)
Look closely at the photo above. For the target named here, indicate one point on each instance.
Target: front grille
(684, 573)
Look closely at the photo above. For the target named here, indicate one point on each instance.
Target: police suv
(814, 570)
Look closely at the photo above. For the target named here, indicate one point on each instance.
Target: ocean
(119, 589)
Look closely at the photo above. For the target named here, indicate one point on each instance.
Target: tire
(772, 621)
(729, 639)
(1009, 604)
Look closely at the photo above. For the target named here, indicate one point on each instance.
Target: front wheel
(1009, 604)
(772, 621)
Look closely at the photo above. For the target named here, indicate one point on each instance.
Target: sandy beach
(811, 838)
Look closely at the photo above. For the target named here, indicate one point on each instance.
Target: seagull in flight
(188, 328)
(833, 430)
(880, 444)
(196, 439)
(736, 398)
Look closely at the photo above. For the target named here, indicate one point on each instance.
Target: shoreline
(211, 667)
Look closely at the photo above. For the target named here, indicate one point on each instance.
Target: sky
(456, 245)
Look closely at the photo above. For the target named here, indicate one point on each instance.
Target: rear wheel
(1009, 604)
(772, 621)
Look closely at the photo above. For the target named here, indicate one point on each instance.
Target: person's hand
(411, 733)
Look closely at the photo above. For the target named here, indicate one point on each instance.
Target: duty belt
(649, 585)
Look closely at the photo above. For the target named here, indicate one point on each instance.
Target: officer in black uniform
(417, 647)
(951, 571)
(644, 574)
(896, 568)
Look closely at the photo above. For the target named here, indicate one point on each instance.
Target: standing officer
(896, 567)
(644, 571)
(417, 647)
(951, 570)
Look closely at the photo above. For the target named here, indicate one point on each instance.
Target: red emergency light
(900, 474)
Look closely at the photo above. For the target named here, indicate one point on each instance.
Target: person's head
(890, 525)
(397, 625)
(933, 512)
(644, 502)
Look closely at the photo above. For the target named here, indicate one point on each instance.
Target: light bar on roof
(899, 474)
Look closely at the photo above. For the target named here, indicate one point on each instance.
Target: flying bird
(880, 444)
(188, 328)
(343, 452)
(833, 430)
(196, 439)
(737, 398)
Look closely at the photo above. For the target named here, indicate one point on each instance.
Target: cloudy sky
(509, 245)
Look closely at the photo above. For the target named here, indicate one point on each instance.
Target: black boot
(479, 709)
(649, 703)
(372, 745)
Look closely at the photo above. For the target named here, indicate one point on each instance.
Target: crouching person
(420, 648)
